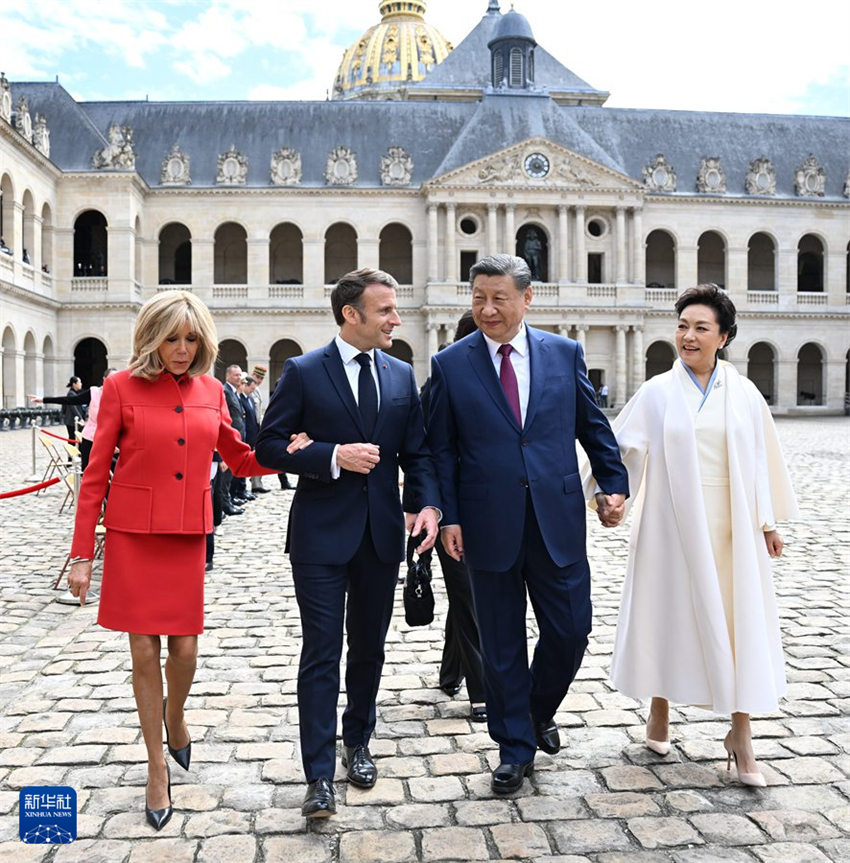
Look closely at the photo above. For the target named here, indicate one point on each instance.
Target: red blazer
(166, 431)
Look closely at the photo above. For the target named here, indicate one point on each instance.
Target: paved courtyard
(67, 717)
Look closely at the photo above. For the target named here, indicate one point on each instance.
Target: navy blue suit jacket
(252, 426)
(327, 517)
(487, 465)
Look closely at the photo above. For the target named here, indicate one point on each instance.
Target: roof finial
(493, 6)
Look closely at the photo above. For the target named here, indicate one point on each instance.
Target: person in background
(259, 373)
(698, 622)
(167, 415)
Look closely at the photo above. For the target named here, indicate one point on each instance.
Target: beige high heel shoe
(659, 747)
(755, 779)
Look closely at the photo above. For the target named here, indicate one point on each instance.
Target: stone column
(619, 395)
(580, 268)
(638, 251)
(258, 262)
(786, 383)
(121, 260)
(563, 243)
(835, 275)
(736, 274)
(450, 333)
(787, 285)
(433, 245)
(450, 266)
(638, 360)
(686, 267)
(367, 251)
(581, 334)
(622, 270)
(510, 230)
(492, 229)
(564, 330)
(313, 261)
(203, 251)
(433, 338)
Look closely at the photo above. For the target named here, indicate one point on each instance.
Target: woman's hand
(34, 399)
(298, 442)
(774, 543)
(79, 579)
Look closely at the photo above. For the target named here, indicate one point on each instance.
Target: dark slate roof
(73, 136)
(514, 26)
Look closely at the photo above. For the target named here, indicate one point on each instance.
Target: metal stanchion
(34, 477)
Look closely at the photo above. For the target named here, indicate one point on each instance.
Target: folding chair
(56, 462)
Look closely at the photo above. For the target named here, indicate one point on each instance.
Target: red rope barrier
(30, 489)
(57, 436)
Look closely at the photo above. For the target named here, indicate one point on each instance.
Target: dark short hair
(502, 265)
(716, 298)
(349, 289)
(249, 380)
(73, 380)
(465, 325)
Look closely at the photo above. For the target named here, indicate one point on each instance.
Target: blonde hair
(162, 316)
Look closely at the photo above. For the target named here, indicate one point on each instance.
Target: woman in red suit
(166, 416)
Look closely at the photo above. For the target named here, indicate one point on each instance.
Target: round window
(596, 227)
(468, 226)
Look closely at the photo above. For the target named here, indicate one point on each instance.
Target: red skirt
(153, 583)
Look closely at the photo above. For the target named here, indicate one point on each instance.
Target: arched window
(532, 245)
(29, 363)
(660, 260)
(90, 361)
(395, 253)
(660, 357)
(516, 68)
(46, 239)
(10, 393)
(90, 245)
(286, 255)
(401, 350)
(340, 251)
(49, 375)
(809, 375)
(7, 211)
(761, 370)
(175, 255)
(230, 352)
(281, 351)
(28, 240)
(810, 264)
(231, 255)
(711, 259)
(761, 263)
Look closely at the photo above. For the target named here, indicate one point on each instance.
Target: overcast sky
(727, 55)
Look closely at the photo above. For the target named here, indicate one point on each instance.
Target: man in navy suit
(507, 406)
(345, 417)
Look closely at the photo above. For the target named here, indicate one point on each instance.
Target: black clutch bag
(418, 596)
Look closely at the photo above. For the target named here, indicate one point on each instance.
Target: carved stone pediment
(118, 154)
(539, 163)
(659, 175)
(341, 169)
(810, 178)
(23, 122)
(761, 177)
(5, 98)
(710, 176)
(232, 168)
(286, 167)
(396, 167)
(41, 135)
(175, 168)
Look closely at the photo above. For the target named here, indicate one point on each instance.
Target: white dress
(698, 622)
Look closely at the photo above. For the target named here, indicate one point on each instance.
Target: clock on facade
(536, 165)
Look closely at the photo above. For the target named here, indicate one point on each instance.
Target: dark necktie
(507, 376)
(367, 394)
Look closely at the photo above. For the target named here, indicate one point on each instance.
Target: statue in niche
(118, 154)
(286, 167)
(532, 251)
(232, 168)
(810, 178)
(396, 167)
(41, 135)
(501, 170)
(761, 177)
(710, 177)
(23, 122)
(341, 167)
(659, 175)
(5, 98)
(175, 168)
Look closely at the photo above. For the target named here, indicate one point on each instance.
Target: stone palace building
(425, 158)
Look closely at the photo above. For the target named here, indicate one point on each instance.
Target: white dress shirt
(519, 359)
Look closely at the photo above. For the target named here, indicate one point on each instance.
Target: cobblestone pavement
(67, 717)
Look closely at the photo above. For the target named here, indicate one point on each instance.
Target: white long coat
(672, 639)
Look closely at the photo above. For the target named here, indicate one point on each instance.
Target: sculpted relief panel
(396, 167)
(341, 169)
(761, 177)
(659, 175)
(286, 167)
(175, 168)
(810, 178)
(232, 168)
(711, 177)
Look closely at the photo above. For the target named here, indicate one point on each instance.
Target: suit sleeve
(237, 455)
(420, 481)
(285, 417)
(83, 397)
(95, 480)
(442, 440)
(595, 436)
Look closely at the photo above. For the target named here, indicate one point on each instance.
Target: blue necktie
(367, 394)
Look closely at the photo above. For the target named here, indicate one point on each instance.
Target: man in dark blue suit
(507, 406)
(345, 417)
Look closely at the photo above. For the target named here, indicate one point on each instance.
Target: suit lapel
(482, 364)
(333, 366)
(538, 368)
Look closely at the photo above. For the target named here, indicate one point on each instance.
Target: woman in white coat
(698, 622)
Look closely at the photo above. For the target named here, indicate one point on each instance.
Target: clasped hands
(610, 508)
(355, 457)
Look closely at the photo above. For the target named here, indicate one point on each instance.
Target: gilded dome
(399, 51)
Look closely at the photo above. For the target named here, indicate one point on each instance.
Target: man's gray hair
(503, 265)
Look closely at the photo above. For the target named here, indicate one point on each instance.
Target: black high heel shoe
(181, 756)
(158, 818)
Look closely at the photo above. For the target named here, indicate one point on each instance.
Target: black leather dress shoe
(319, 800)
(507, 778)
(249, 496)
(361, 767)
(547, 736)
(261, 490)
(238, 501)
(451, 689)
(479, 713)
(232, 510)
